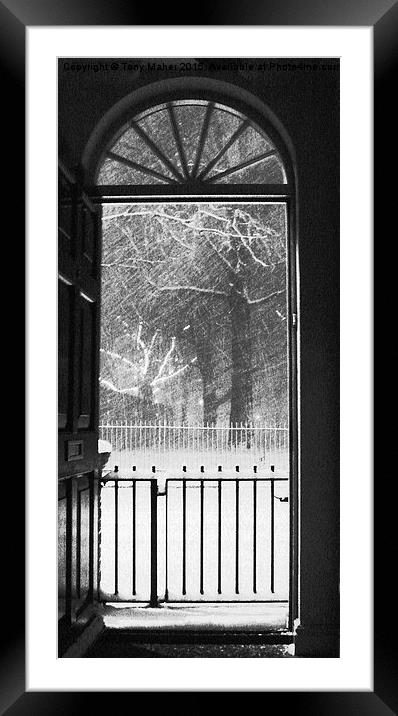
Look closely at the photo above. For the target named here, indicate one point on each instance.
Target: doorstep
(264, 618)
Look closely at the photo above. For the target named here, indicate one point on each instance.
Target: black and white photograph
(199, 222)
(198, 357)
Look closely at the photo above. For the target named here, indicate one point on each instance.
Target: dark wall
(306, 101)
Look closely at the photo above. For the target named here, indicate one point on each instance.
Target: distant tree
(199, 276)
(140, 366)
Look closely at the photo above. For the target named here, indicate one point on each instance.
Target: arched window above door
(186, 141)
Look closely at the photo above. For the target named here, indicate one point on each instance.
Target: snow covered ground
(171, 462)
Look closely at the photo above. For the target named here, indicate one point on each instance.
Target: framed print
(223, 174)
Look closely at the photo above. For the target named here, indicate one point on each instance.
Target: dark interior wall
(306, 101)
(302, 99)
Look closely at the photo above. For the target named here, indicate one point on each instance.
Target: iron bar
(202, 485)
(255, 536)
(116, 497)
(166, 589)
(134, 546)
(219, 535)
(272, 536)
(154, 543)
(184, 537)
(237, 537)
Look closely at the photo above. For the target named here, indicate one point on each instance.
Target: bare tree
(143, 364)
(219, 270)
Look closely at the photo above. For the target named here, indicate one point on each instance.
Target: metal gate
(194, 539)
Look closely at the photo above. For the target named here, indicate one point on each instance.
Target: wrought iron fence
(194, 539)
(170, 446)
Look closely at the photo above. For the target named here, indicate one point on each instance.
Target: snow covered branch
(133, 390)
(165, 359)
(111, 354)
(193, 288)
(164, 378)
(265, 298)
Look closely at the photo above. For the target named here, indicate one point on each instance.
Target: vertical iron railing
(254, 536)
(115, 559)
(154, 544)
(134, 539)
(221, 524)
(220, 483)
(116, 495)
(237, 536)
(202, 492)
(219, 540)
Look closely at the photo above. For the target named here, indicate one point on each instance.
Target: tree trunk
(241, 348)
(206, 367)
(241, 378)
(146, 403)
(201, 335)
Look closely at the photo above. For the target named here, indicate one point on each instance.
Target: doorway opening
(194, 402)
(197, 360)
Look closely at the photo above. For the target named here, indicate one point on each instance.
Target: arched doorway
(213, 162)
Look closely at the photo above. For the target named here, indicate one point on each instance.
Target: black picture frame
(15, 16)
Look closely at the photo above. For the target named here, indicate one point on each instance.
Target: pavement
(111, 646)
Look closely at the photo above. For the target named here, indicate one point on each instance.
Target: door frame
(284, 193)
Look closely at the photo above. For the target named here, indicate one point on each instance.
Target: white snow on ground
(221, 617)
(172, 461)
